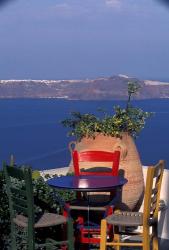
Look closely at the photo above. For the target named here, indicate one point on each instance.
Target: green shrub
(129, 119)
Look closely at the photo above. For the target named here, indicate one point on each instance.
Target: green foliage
(4, 213)
(131, 120)
(44, 202)
(35, 174)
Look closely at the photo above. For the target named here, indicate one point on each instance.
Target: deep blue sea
(30, 129)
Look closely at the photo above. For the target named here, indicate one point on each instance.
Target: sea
(31, 130)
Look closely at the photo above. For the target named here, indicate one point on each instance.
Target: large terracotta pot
(130, 165)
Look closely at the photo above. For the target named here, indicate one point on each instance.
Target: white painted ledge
(51, 172)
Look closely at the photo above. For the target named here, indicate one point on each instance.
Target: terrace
(163, 225)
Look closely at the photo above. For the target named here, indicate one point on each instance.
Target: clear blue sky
(70, 39)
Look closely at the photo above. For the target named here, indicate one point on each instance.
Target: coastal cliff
(105, 88)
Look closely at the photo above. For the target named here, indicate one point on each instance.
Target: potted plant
(111, 132)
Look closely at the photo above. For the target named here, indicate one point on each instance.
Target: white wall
(163, 215)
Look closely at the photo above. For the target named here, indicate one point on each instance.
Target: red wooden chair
(96, 156)
(90, 233)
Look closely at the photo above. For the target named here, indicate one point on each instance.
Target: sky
(78, 39)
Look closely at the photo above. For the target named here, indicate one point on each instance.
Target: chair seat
(46, 220)
(125, 218)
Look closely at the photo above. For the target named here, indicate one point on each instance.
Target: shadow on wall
(164, 214)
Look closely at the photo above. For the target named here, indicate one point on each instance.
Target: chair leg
(13, 233)
(146, 239)
(31, 245)
(103, 237)
(116, 237)
(31, 240)
(70, 234)
(155, 237)
(113, 232)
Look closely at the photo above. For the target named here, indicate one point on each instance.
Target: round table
(91, 183)
(87, 183)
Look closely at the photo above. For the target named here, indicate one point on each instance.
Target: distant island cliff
(105, 88)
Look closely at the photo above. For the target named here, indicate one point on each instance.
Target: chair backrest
(152, 192)
(20, 192)
(96, 156)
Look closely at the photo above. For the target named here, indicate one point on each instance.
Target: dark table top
(87, 183)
